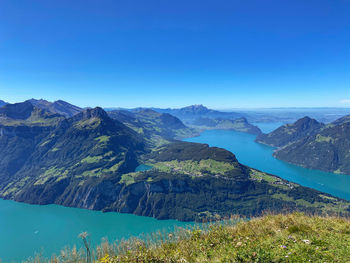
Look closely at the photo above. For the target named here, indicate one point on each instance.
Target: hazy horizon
(223, 54)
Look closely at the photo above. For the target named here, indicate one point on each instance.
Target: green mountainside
(40, 161)
(89, 160)
(157, 128)
(311, 144)
(328, 149)
(289, 133)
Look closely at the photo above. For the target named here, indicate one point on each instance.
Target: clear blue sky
(224, 54)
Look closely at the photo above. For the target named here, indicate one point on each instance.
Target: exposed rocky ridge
(290, 133)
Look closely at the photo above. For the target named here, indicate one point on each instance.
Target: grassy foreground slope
(271, 238)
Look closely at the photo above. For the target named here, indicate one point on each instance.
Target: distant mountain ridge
(61, 107)
(202, 118)
(240, 124)
(190, 113)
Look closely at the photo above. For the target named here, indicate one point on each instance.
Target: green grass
(113, 168)
(91, 123)
(281, 238)
(320, 138)
(271, 179)
(194, 168)
(128, 178)
(92, 159)
(50, 173)
(273, 238)
(103, 139)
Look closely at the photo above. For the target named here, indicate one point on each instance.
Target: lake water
(25, 228)
(259, 156)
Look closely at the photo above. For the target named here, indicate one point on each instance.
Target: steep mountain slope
(328, 149)
(60, 107)
(290, 133)
(153, 126)
(45, 159)
(22, 127)
(240, 124)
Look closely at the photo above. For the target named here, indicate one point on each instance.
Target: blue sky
(224, 54)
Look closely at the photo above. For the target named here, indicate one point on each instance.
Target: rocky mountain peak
(91, 113)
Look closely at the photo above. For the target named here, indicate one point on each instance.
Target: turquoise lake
(259, 156)
(25, 229)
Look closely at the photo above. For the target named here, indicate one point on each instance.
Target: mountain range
(89, 161)
(311, 144)
(61, 107)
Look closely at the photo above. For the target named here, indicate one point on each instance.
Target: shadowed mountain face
(88, 161)
(60, 107)
(19, 111)
(2, 103)
(291, 132)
